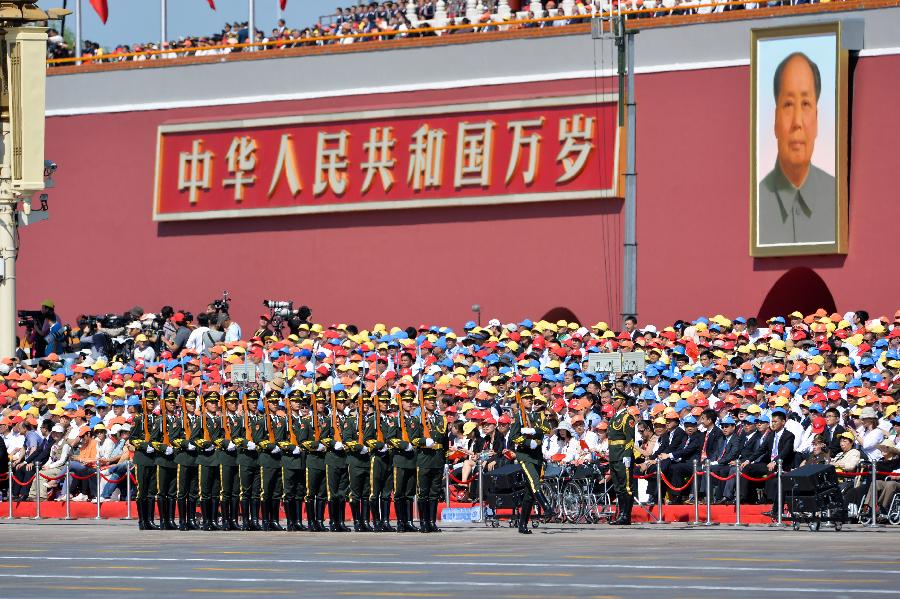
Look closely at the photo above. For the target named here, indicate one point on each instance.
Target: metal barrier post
(128, 491)
(780, 499)
(737, 496)
(9, 491)
(873, 498)
(447, 485)
(659, 497)
(709, 521)
(480, 492)
(37, 496)
(696, 488)
(99, 480)
(68, 497)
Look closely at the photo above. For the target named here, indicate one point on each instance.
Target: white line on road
(444, 564)
(467, 583)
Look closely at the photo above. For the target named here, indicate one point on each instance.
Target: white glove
(408, 447)
(338, 446)
(320, 447)
(364, 450)
(347, 411)
(149, 449)
(276, 450)
(231, 446)
(190, 447)
(714, 463)
(429, 442)
(251, 445)
(532, 444)
(383, 449)
(169, 450)
(296, 451)
(627, 462)
(528, 431)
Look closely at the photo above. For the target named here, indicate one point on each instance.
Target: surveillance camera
(476, 308)
(50, 167)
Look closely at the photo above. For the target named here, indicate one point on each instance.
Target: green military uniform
(380, 465)
(316, 485)
(208, 461)
(621, 454)
(527, 436)
(358, 468)
(145, 465)
(166, 468)
(293, 465)
(336, 470)
(404, 461)
(227, 452)
(186, 457)
(247, 437)
(271, 490)
(431, 457)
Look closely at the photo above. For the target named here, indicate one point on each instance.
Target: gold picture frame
(797, 221)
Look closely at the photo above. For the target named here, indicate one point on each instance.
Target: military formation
(243, 457)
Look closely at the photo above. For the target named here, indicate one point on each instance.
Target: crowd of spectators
(799, 389)
(393, 19)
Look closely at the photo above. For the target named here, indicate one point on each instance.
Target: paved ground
(86, 559)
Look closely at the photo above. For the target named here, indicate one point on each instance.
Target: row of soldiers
(242, 463)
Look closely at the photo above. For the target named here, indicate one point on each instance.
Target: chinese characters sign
(518, 151)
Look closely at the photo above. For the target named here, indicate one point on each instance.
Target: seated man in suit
(778, 445)
(680, 459)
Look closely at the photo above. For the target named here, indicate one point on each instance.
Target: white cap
(57, 428)
(115, 429)
(493, 322)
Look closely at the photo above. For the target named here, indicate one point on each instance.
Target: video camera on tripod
(282, 312)
(221, 305)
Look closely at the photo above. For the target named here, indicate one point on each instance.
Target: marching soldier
(404, 461)
(248, 433)
(358, 457)
(293, 463)
(621, 453)
(527, 434)
(166, 468)
(208, 461)
(316, 485)
(336, 466)
(144, 460)
(186, 458)
(271, 491)
(431, 446)
(378, 430)
(227, 452)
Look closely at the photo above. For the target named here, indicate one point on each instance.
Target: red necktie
(703, 451)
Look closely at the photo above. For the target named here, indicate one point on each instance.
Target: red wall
(411, 266)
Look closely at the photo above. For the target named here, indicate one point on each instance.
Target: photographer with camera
(44, 334)
(232, 329)
(180, 338)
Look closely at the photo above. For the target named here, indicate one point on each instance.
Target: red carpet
(723, 514)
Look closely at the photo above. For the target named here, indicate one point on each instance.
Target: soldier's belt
(618, 442)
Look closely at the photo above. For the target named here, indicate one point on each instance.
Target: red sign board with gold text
(517, 151)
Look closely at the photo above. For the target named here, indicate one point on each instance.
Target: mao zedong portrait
(796, 200)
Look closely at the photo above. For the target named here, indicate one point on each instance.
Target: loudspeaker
(809, 479)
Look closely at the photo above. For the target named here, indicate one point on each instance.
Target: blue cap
(101, 404)
(748, 379)
(750, 420)
(578, 392)
(648, 395)
(727, 420)
(689, 420)
(704, 385)
(664, 384)
(681, 404)
(651, 371)
(526, 323)
(723, 386)
(637, 381)
(779, 411)
(94, 421)
(118, 403)
(764, 418)
(470, 325)
(740, 320)
(816, 408)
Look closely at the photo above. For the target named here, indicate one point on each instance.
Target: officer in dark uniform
(247, 438)
(431, 457)
(166, 468)
(316, 485)
(144, 460)
(293, 463)
(527, 436)
(271, 490)
(336, 467)
(404, 460)
(227, 452)
(208, 460)
(186, 454)
(377, 433)
(621, 454)
(358, 462)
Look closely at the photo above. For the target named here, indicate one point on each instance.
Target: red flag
(101, 8)
(283, 4)
(212, 4)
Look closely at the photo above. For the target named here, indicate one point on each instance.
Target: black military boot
(233, 510)
(298, 514)
(149, 506)
(290, 523)
(182, 515)
(364, 515)
(375, 511)
(214, 514)
(226, 516)
(400, 508)
(170, 512)
(424, 524)
(254, 515)
(433, 508)
(245, 515)
(544, 504)
(624, 518)
(162, 504)
(264, 520)
(311, 524)
(275, 515)
(192, 514)
(408, 504)
(354, 513)
(320, 514)
(386, 514)
(332, 516)
(142, 516)
(525, 515)
(342, 515)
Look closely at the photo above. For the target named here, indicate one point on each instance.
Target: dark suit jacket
(690, 448)
(714, 440)
(4, 456)
(758, 454)
(482, 444)
(785, 449)
(732, 449)
(748, 445)
(678, 437)
(833, 439)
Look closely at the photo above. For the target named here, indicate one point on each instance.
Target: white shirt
(870, 442)
(147, 354)
(796, 429)
(195, 341)
(233, 332)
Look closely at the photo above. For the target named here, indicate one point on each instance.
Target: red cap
(818, 425)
